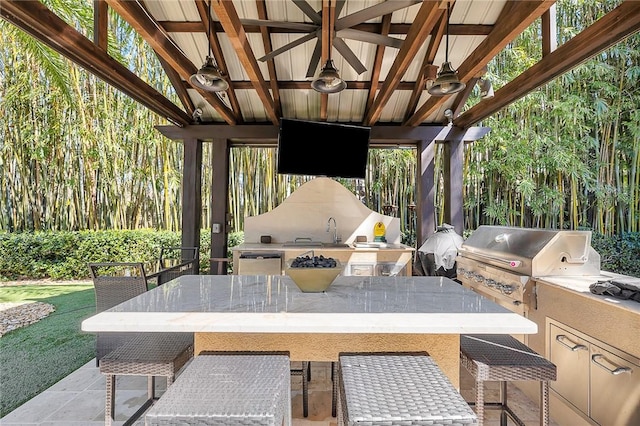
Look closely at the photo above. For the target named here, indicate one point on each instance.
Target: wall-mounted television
(322, 149)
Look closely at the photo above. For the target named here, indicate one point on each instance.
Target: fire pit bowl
(313, 279)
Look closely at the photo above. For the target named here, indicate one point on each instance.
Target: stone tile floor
(78, 400)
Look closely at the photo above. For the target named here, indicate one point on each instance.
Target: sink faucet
(335, 229)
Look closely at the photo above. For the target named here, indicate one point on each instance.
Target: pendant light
(209, 77)
(329, 80)
(447, 81)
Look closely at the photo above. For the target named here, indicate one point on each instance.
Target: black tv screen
(322, 149)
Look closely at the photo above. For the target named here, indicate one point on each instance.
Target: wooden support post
(453, 185)
(191, 193)
(425, 214)
(219, 199)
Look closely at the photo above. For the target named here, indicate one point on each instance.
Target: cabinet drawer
(615, 389)
(570, 354)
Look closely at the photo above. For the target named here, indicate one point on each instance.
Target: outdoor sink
(335, 245)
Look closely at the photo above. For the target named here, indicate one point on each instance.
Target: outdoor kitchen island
(356, 314)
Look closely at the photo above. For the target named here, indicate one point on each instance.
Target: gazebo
(405, 68)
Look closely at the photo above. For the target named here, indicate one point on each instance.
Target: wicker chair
(175, 262)
(137, 354)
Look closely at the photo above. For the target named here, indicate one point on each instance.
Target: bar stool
(231, 389)
(502, 358)
(389, 389)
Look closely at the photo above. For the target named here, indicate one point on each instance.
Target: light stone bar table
(356, 314)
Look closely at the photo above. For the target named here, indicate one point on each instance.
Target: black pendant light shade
(328, 80)
(447, 81)
(209, 78)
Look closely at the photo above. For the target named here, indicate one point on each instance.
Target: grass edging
(35, 357)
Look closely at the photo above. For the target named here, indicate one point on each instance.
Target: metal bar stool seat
(503, 358)
(231, 389)
(397, 389)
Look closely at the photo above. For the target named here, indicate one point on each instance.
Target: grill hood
(533, 252)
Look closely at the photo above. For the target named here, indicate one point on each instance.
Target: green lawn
(35, 357)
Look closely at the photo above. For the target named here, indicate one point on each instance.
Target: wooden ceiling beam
(304, 84)
(216, 50)
(140, 20)
(178, 86)
(427, 68)
(514, 19)
(271, 65)
(35, 19)
(100, 23)
(377, 63)
(228, 16)
(425, 20)
(615, 26)
(394, 29)
(328, 21)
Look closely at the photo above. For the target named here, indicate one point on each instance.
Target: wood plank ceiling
(269, 52)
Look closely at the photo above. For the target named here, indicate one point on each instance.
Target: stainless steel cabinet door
(615, 389)
(570, 354)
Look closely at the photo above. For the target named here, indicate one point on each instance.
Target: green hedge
(620, 253)
(64, 255)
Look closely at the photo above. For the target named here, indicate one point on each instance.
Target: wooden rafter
(35, 19)
(514, 19)
(100, 23)
(178, 86)
(377, 62)
(203, 11)
(136, 15)
(427, 66)
(271, 65)
(424, 22)
(616, 25)
(230, 21)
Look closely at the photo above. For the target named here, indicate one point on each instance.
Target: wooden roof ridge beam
(271, 65)
(203, 11)
(328, 20)
(230, 21)
(371, 27)
(37, 20)
(513, 20)
(423, 24)
(140, 20)
(377, 62)
(613, 27)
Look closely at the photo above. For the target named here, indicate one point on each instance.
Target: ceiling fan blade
(368, 37)
(379, 9)
(339, 6)
(315, 59)
(301, 26)
(348, 55)
(288, 46)
(309, 11)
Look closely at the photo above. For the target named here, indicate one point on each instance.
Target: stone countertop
(580, 286)
(274, 304)
(322, 246)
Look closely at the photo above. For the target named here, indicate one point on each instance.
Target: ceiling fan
(342, 28)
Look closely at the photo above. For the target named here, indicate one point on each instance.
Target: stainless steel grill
(502, 263)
